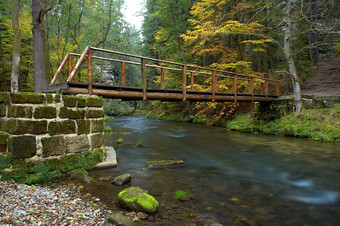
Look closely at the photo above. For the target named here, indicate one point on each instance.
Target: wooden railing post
(252, 89)
(162, 77)
(69, 65)
(278, 88)
(213, 84)
(55, 77)
(184, 82)
(89, 70)
(78, 64)
(123, 74)
(143, 78)
(266, 89)
(192, 81)
(235, 88)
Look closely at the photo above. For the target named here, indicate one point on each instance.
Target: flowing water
(234, 178)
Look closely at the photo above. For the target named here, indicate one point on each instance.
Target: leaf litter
(45, 205)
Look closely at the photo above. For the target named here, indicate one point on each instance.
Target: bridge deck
(136, 93)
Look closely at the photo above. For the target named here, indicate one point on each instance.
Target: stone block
(57, 98)
(70, 101)
(82, 102)
(83, 126)
(97, 140)
(22, 146)
(53, 146)
(72, 114)
(95, 101)
(19, 111)
(62, 127)
(45, 112)
(3, 142)
(4, 98)
(28, 98)
(19, 127)
(76, 144)
(3, 110)
(97, 126)
(95, 113)
(49, 98)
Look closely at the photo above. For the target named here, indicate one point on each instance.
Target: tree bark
(314, 34)
(40, 82)
(289, 59)
(16, 47)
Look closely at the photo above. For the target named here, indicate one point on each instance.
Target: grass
(318, 124)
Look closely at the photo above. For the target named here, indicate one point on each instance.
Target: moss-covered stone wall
(38, 126)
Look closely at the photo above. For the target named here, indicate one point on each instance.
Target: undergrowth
(318, 124)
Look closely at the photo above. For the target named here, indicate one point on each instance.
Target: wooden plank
(69, 66)
(89, 71)
(266, 90)
(277, 88)
(123, 74)
(184, 82)
(143, 78)
(252, 89)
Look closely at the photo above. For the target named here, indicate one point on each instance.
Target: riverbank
(46, 205)
(320, 124)
(317, 124)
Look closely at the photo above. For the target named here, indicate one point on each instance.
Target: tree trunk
(40, 82)
(16, 47)
(314, 34)
(289, 58)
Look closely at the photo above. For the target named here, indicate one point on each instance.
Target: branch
(42, 14)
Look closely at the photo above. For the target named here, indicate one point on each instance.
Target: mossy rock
(84, 126)
(49, 98)
(120, 141)
(95, 114)
(3, 142)
(162, 163)
(63, 127)
(71, 114)
(136, 199)
(22, 146)
(3, 110)
(82, 102)
(97, 140)
(19, 127)
(97, 126)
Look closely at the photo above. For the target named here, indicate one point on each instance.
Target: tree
(39, 73)
(288, 56)
(16, 47)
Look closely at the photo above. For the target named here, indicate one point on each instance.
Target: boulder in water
(136, 199)
(119, 219)
(122, 179)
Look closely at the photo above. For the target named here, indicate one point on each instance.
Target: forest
(271, 38)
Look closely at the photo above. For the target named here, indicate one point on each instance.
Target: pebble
(43, 205)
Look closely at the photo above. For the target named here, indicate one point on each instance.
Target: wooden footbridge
(258, 88)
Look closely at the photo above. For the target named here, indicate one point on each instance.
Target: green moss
(4, 98)
(3, 142)
(82, 102)
(29, 98)
(49, 98)
(71, 114)
(95, 114)
(97, 126)
(106, 117)
(18, 111)
(22, 146)
(63, 127)
(140, 144)
(83, 126)
(24, 172)
(70, 101)
(45, 112)
(120, 140)
(164, 162)
(108, 129)
(180, 193)
(95, 102)
(18, 127)
(3, 110)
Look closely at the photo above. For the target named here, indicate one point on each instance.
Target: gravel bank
(42, 205)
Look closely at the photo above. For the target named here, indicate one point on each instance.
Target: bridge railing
(185, 69)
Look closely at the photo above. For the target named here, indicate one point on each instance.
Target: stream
(234, 178)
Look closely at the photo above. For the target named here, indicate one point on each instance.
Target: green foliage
(117, 107)
(28, 173)
(120, 140)
(107, 117)
(140, 144)
(318, 124)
